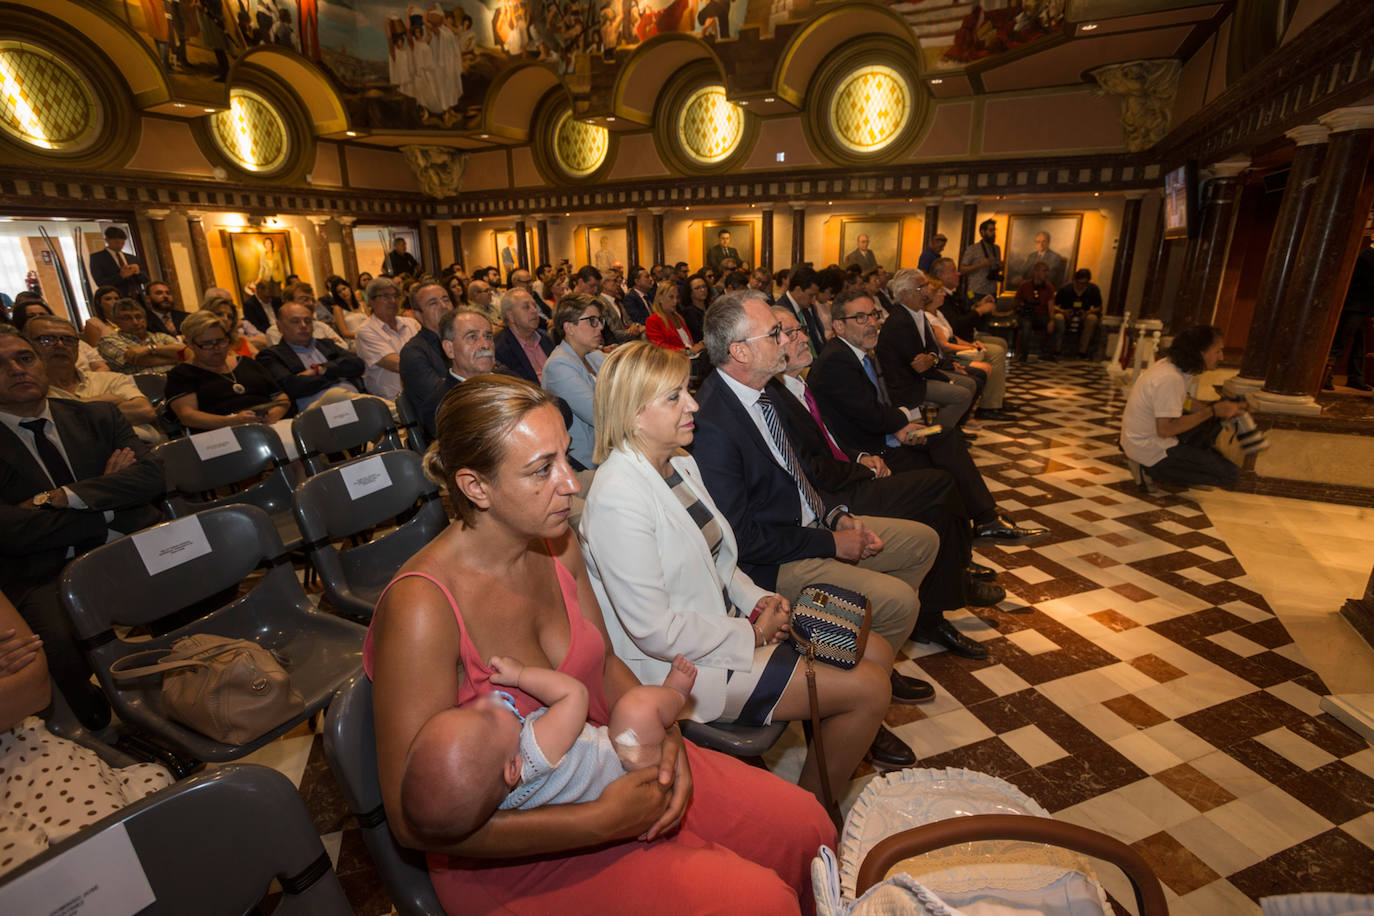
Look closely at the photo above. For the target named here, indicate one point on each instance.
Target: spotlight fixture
(484, 136)
(610, 119)
(209, 111)
(770, 99)
(1088, 27)
(350, 133)
(936, 82)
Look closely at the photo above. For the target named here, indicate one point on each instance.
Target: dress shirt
(92, 383)
(871, 370)
(376, 340)
(534, 352)
(31, 443)
(749, 397)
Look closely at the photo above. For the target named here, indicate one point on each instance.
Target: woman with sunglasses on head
(571, 369)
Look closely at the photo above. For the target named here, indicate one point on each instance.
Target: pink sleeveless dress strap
(585, 659)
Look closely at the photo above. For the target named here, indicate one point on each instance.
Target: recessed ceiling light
(770, 99)
(1097, 193)
(609, 119)
(936, 82)
(351, 133)
(744, 101)
(1088, 27)
(178, 105)
(209, 111)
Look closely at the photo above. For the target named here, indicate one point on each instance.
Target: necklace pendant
(238, 388)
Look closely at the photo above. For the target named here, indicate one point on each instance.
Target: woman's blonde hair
(475, 420)
(630, 378)
(660, 292)
(197, 323)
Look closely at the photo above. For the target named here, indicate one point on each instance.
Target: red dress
(665, 335)
(744, 846)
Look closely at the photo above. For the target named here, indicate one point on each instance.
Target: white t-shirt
(1159, 393)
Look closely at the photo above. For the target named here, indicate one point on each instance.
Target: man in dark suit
(803, 286)
(520, 345)
(468, 349)
(639, 299)
(399, 261)
(424, 367)
(909, 357)
(163, 315)
(720, 251)
(112, 267)
(855, 404)
(788, 535)
(862, 256)
(72, 476)
(307, 368)
(261, 308)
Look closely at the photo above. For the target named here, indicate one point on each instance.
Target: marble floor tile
(1304, 753)
(1177, 868)
(1033, 746)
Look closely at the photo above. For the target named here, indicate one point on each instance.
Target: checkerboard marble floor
(1138, 683)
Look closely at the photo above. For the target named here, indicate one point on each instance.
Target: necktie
(52, 459)
(789, 457)
(872, 374)
(816, 415)
(119, 258)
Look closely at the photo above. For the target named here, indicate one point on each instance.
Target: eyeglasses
(793, 332)
(776, 333)
(52, 340)
(595, 321)
(861, 317)
(219, 343)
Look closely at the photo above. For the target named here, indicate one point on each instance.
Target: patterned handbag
(830, 624)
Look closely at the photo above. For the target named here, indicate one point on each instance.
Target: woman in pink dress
(701, 833)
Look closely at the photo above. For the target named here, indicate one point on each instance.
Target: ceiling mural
(413, 65)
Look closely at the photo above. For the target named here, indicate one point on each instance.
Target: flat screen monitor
(1180, 201)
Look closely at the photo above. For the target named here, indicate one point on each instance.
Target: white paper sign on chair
(340, 413)
(215, 443)
(171, 544)
(366, 477)
(102, 875)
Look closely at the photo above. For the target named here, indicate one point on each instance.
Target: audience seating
(372, 430)
(736, 740)
(350, 746)
(354, 577)
(153, 385)
(191, 480)
(110, 587)
(410, 422)
(212, 844)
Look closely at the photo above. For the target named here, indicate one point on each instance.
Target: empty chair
(351, 498)
(186, 563)
(342, 428)
(350, 746)
(259, 452)
(209, 845)
(410, 422)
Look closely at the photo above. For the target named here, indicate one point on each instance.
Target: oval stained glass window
(710, 126)
(580, 148)
(870, 107)
(251, 132)
(44, 102)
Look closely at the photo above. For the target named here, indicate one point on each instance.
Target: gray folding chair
(350, 746)
(373, 429)
(743, 741)
(410, 422)
(354, 577)
(190, 479)
(110, 587)
(212, 845)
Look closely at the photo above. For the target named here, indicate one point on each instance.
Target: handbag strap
(827, 797)
(122, 670)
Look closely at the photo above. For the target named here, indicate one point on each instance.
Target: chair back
(350, 746)
(210, 844)
(359, 424)
(190, 476)
(153, 386)
(183, 577)
(410, 422)
(349, 499)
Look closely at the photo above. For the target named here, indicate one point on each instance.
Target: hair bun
(434, 467)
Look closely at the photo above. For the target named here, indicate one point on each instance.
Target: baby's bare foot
(682, 676)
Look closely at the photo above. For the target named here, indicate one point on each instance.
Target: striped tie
(789, 457)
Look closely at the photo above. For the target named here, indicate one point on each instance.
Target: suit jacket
(828, 473)
(752, 491)
(105, 272)
(848, 401)
(34, 543)
(157, 324)
(718, 253)
(284, 364)
(261, 314)
(425, 374)
(510, 354)
(810, 319)
(659, 588)
(636, 306)
(565, 376)
(397, 263)
(898, 343)
(866, 259)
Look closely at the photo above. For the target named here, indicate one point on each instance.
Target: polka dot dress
(50, 788)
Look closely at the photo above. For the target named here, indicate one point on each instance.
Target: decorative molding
(1229, 168)
(1343, 119)
(439, 169)
(1308, 134)
(1146, 89)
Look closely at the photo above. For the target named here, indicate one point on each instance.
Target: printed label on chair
(215, 442)
(171, 544)
(366, 477)
(100, 876)
(340, 413)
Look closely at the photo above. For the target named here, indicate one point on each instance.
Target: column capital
(195, 216)
(1230, 168)
(1343, 119)
(1136, 195)
(157, 214)
(933, 201)
(319, 222)
(971, 199)
(346, 221)
(658, 211)
(1308, 134)
(797, 204)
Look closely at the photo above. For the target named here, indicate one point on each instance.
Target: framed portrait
(871, 242)
(255, 256)
(505, 250)
(721, 239)
(1035, 237)
(604, 247)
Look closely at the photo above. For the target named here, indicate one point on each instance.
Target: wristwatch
(44, 500)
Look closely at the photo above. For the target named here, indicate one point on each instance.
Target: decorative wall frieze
(1146, 89)
(439, 169)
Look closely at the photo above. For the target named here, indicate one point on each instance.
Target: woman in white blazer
(662, 561)
(571, 370)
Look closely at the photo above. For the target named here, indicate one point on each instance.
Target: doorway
(50, 255)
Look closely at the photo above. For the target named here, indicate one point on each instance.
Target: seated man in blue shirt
(310, 370)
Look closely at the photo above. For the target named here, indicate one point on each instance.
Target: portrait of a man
(1041, 238)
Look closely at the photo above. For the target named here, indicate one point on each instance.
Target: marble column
(349, 248)
(200, 251)
(323, 262)
(1158, 269)
(1303, 176)
(541, 242)
(766, 239)
(1321, 273)
(968, 231)
(162, 243)
(631, 240)
(455, 233)
(522, 245)
(798, 235)
(431, 242)
(1125, 254)
(932, 223)
(1197, 297)
(660, 256)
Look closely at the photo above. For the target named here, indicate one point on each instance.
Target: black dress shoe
(984, 594)
(888, 751)
(1003, 529)
(1359, 386)
(909, 690)
(980, 572)
(994, 415)
(944, 634)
